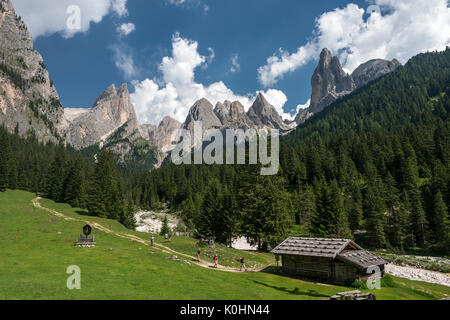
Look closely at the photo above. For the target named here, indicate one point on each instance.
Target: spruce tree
(165, 229)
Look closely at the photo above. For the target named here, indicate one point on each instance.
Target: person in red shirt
(216, 260)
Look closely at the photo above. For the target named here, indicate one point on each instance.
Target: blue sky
(83, 64)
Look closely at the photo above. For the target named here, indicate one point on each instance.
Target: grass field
(37, 247)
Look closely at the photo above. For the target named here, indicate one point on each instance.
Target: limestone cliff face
(202, 111)
(329, 82)
(372, 70)
(111, 110)
(264, 115)
(163, 135)
(232, 115)
(28, 99)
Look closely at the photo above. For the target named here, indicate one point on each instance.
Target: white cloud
(179, 90)
(120, 7)
(235, 66)
(278, 99)
(126, 28)
(123, 60)
(404, 29)
(190, 4)
(46, 17)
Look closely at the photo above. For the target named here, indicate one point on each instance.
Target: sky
(174, 52)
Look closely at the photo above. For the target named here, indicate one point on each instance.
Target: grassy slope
(37, 247)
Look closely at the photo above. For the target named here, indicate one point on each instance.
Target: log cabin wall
(313, 267)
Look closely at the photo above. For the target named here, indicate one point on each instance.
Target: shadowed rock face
(111, 111)
(329, 82)
(264, 115)
(28, 98)
(202, 110)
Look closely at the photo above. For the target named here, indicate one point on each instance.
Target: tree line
(374, 167)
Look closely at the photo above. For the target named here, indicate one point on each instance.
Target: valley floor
(37, 237)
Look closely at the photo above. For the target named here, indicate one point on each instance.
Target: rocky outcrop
(232, 115)
(28, 98)
(110, 111)
(329, 82)
(163, 135)
(264, 115)
(202, 111)
(372, 70)
(302, 116)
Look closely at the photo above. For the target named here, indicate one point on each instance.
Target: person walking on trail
(165, 237)
(243, 264)
(216, 261)
(152, 240)
(198, 255)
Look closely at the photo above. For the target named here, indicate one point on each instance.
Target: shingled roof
(361, 258)
(329, 248)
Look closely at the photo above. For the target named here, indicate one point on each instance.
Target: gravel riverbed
(418, 274)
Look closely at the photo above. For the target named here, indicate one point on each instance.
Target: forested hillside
(64, 176)
(374, 165)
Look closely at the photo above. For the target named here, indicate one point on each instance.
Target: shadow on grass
(296, 291)
(278, 271)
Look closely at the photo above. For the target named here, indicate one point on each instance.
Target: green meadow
(37, 247)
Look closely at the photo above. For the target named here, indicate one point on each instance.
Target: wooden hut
(334, 260)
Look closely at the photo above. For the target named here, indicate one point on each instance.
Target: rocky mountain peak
(372, 70)
(29, 99)
(202, 110)
(329, 82)
(264, 115)
(111, 110)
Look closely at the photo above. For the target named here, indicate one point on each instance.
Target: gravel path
(175, 255)
(418, 274)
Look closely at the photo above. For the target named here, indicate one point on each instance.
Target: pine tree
(3, 164)
(442, 231)
(400, 227)
(340, 227)
(322, 221)
(209, 224)
(105, 196)
(128, 220)
(74, 185)
(165, 229)
(57, 175)
(354, 207)
(375, 221)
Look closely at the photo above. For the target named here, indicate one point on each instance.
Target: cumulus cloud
(403, 29)
(126, 28)
(177, 91)
(46, 17)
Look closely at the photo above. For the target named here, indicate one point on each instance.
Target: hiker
(152, 240)
(216, 260)
(198, 255)
(243, 264)
(165, 237)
